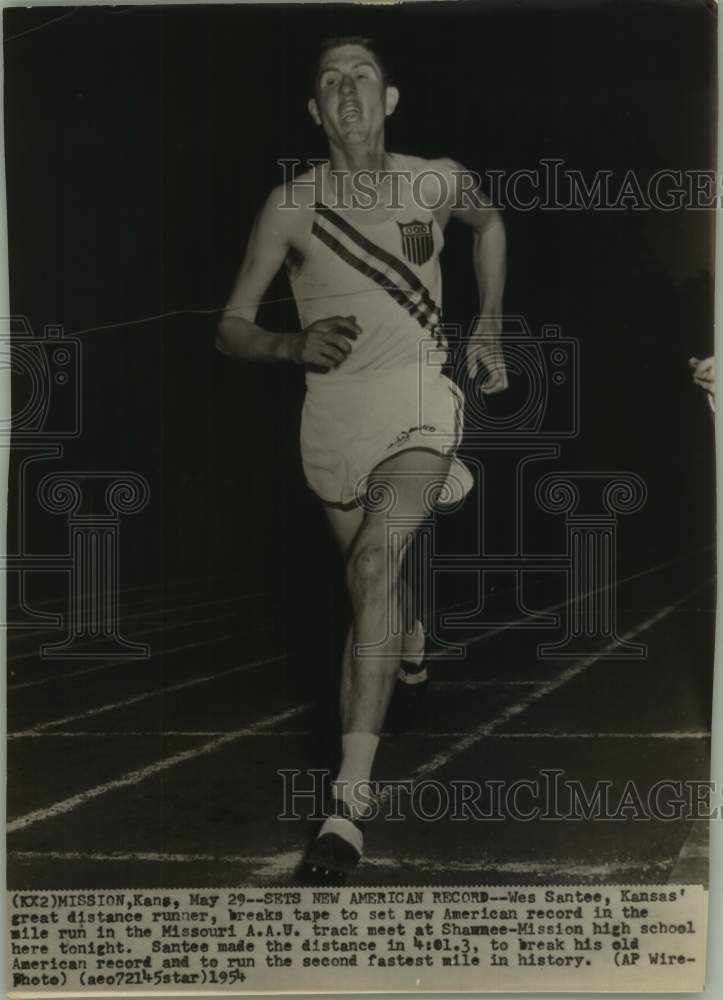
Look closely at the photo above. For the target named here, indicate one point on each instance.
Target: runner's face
(352, 100)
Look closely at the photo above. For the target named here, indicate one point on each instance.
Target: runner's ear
(391, 98)
(314, 110)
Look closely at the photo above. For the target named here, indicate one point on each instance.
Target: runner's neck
(341, 191)
(353, 159)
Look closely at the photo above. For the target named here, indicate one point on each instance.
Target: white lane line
(171, 627)
(143, 773)
(409, 734)
(21, 633)
(111, 664)
(485, 634)
(162, 611)
(35, 654)
(570, 868)
(284, 862)
(444, 686)
(144, 695)
(436, 614)
(565, 676)
(116, 663)
(436, 762)
(692, 862)
(439, 654)
(155, 734)
(554, 735)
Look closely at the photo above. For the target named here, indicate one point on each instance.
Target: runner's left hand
(485, 359)
(703, 373)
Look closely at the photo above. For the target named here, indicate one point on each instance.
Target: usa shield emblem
(417, 241)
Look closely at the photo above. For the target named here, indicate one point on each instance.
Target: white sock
(357, 757)
(358, 750)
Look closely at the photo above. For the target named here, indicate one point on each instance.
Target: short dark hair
(336, 41)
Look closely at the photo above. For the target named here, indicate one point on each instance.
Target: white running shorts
(349, 425)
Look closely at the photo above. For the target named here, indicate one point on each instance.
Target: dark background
(139, 145)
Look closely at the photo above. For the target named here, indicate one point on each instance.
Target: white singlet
(389, 394)
(386, 274)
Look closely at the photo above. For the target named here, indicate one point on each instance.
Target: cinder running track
(163, 773)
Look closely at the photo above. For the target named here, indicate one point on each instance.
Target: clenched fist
(326, 343)
(484, 356)
(704, 376)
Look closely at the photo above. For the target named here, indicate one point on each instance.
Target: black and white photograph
(360, 557)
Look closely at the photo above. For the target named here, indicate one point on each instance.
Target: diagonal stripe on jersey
(382, 256)
(419, 312)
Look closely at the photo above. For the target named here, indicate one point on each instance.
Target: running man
(379, 417)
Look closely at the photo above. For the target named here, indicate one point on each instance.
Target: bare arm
(237, 335)
(474, 209)
(323, 345)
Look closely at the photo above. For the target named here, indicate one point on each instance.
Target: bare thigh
(407, 484)
(407, 479)
(400, 498)
(345, 525)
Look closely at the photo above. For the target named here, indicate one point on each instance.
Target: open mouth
(350, 113)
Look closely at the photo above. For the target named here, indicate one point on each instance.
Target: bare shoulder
(440, 176)
(441, 164)
(287, 212)
(447, 164)
(455, 173)
(419, 165)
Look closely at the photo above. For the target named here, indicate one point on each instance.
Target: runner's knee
(371, 572)
(367, 572)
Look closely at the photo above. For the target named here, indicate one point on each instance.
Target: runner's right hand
(326, 343)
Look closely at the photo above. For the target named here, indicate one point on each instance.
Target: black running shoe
(329, 858)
